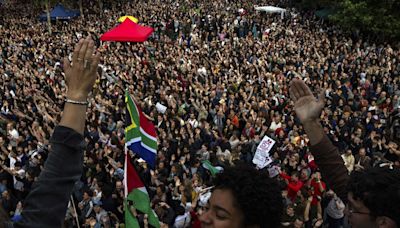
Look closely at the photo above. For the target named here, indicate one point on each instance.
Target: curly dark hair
(257, 195)
(379, 190)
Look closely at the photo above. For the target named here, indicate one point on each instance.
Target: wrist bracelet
(76, 102)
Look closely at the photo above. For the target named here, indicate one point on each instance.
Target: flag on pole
(137, 197)
(213, 169)
(140, 133)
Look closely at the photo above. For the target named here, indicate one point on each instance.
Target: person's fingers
(76, 51)
(321, 98)
(292, 96)
(82, 52)
(95, 62)
(90, 50)
(89, 53)
(294, 90)
(66, 64)
(303, 88)
(298, 88)
(291, 90)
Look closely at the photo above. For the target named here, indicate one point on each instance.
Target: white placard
(274, 171)
(161, 108)
(262, 157)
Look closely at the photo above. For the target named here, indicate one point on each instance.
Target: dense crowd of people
(222, 70)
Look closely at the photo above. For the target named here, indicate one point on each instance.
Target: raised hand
(81, 74)
(80, 77)
(307, 107)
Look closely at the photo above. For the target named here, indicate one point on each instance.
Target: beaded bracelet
(76, 102)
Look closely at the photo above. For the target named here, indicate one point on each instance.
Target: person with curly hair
(243, 197)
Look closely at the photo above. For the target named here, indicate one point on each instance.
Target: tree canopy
(379, 18)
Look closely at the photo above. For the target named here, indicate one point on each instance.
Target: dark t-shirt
(391, 157)
(290, 219)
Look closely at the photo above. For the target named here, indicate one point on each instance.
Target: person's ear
(385, 222)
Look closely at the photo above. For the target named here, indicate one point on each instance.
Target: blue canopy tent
(59, 12)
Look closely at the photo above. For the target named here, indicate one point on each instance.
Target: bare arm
(307, 209)
(80, 81)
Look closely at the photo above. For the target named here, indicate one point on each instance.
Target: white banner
(262, 157)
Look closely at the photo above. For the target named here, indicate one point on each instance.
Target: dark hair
(379, 190)
(18, 164)
(257, 195)
(89, 192)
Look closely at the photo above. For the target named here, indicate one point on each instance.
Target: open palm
(82, 73)
(307, 107)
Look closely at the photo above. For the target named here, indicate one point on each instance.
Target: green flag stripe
(149, 142)
(133, 110)
(132, 133)
(210, 167)
(141, 202)
(130, 220)
(153, 219)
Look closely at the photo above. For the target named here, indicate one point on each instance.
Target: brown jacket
(332, 167)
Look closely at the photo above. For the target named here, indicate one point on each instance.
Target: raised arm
(327, 157)
(46, 204)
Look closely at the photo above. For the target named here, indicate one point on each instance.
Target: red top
(195, 220)
(317, 191)
(293, 187)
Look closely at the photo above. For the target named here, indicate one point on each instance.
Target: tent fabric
(128, 31)
(61, 13)
(132, 18)
(270, 9)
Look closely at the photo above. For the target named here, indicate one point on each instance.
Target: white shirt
(274, 126)
(194, 123)
(182, 221)
(14, 133)
(12, 161)
(18, 185)
(335, 208)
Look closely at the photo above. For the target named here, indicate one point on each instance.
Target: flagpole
(126, 171)
(126, 155)
(76, 214)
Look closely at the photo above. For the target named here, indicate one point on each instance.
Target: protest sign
(262, 157)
